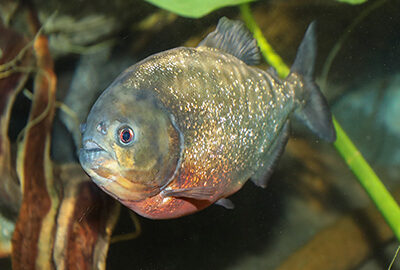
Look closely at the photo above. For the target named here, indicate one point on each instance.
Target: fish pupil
(126, 135)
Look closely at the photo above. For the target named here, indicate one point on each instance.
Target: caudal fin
(314, 110)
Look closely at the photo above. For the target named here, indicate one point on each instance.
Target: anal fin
(260, 178)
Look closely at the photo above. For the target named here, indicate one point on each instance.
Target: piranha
(187, 127)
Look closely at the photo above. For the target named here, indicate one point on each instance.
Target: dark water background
(311, 190)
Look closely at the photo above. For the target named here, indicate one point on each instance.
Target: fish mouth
(92, 146)
(94, 160)
(91, 154)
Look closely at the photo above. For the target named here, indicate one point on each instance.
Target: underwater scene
(198, 134)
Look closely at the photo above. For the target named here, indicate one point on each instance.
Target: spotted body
(203, 122)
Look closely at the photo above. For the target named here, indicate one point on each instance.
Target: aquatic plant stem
(368, 179)
(266, 49)
(353, 158)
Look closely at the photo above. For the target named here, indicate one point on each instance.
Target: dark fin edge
(314, 112)
(234, 38)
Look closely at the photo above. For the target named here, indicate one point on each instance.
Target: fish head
(131, 146)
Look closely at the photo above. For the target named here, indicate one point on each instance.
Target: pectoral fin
(198, 193)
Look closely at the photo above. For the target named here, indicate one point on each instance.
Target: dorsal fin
(234, 38)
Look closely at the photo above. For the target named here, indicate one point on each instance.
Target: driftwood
(62, 220)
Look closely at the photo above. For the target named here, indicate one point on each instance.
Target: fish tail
(312, 107)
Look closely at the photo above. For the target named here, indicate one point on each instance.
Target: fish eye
(125, 135)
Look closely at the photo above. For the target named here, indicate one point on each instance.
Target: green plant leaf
(352, 2)
(194, 8)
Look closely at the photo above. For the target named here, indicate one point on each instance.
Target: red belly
(159, 207)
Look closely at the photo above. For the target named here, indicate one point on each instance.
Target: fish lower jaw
(92, 155)
(91, 152)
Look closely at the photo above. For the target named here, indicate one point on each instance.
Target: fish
(187, 127)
